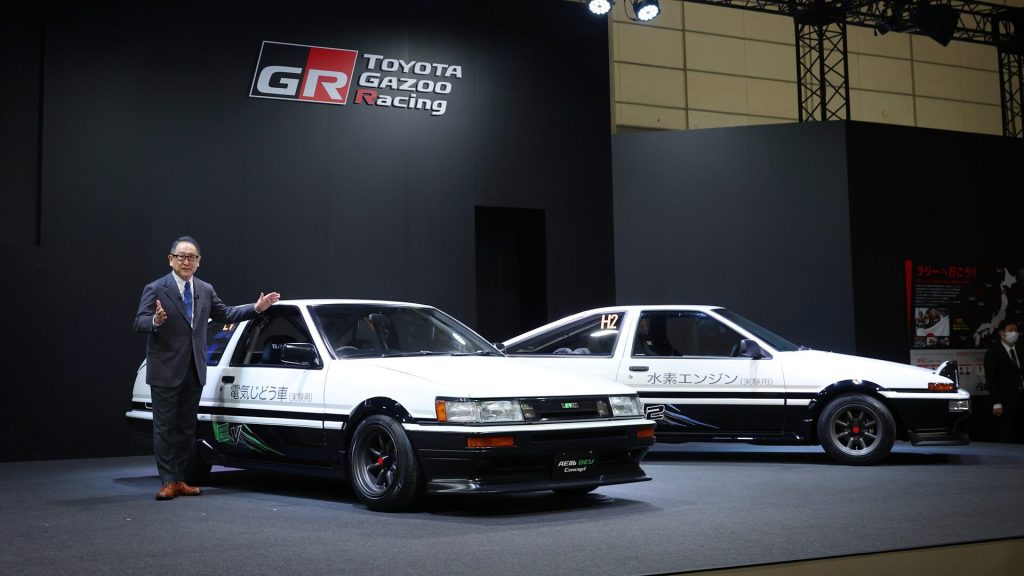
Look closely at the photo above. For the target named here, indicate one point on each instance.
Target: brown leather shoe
(167, 491)
(183, 489)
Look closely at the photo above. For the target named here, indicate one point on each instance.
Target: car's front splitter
(535, 461)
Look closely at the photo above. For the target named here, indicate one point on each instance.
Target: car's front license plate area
(574, 464)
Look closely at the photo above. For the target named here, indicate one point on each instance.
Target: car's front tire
(382, 465)
(856, 429)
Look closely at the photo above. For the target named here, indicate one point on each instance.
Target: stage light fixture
(599, 7)
(646, 10)
(936, 21)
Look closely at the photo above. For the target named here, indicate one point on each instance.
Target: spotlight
(599, 7)
(646, 10)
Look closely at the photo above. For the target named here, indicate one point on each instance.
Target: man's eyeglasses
(193, 258)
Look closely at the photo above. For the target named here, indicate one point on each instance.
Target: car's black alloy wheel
(856, 429)
(383, 468)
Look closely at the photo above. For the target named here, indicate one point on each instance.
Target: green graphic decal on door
(240, 435)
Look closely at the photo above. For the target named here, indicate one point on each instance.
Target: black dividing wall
(755, 219)
(133, 124)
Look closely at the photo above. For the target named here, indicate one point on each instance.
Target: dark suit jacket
(1002, 378)
(173, 344)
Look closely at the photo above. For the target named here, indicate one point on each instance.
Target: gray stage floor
(709, 506)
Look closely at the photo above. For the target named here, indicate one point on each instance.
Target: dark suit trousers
(1010, 426)
(174, 426)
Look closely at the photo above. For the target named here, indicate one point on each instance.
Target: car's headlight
(625, 406)
(959, 405)
(478, 411)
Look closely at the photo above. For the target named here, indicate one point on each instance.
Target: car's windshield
(363, 330)
(771, 338)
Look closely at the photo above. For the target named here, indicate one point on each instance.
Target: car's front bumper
(533, 461)
(931, 418)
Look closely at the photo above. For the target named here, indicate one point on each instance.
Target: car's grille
(566, 408)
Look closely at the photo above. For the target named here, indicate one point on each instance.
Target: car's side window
(594, 335)
(265, 337)
(217, 337)
(676, 333)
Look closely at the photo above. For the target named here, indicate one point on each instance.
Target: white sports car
(708, 374)
(401, 399)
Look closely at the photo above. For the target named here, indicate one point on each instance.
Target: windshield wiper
(478, 353)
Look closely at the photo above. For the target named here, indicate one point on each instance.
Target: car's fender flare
(826, 394)
(370, 406)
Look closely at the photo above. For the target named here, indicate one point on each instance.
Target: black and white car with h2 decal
(401, 399)
(705, 373)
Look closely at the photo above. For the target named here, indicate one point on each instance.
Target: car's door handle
(638, 368)
(227, 379)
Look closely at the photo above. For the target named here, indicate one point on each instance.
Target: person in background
(1003, 380)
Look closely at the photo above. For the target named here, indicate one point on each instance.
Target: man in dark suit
(174, 311)
(1003, 379)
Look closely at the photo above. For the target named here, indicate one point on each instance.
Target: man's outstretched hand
(266, 301)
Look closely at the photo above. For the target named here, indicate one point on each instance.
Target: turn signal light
(490, 442)
(645, 432)
(940, 387)
(441, 409)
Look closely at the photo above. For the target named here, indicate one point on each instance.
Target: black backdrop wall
(134, 126)
(131, 124)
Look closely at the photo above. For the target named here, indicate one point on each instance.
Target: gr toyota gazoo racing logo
(295, 72)
(315, 74)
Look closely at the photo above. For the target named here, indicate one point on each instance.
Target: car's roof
(610, 309)
(323, 301)
(638, 307)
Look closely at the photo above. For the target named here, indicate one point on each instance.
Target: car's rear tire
(856, 429)
(382, 465)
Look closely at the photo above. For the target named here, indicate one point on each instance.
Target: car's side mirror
(751, 349)
(299, 354)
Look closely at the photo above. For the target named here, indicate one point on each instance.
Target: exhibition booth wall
(813, 231)
(134, 123)
(807, 228)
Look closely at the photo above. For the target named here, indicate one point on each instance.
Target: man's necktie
(187, 299)
(1013, 356)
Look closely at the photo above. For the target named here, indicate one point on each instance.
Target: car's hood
(487, 376)
(835, 367)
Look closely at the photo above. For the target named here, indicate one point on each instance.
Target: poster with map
(954, 310)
